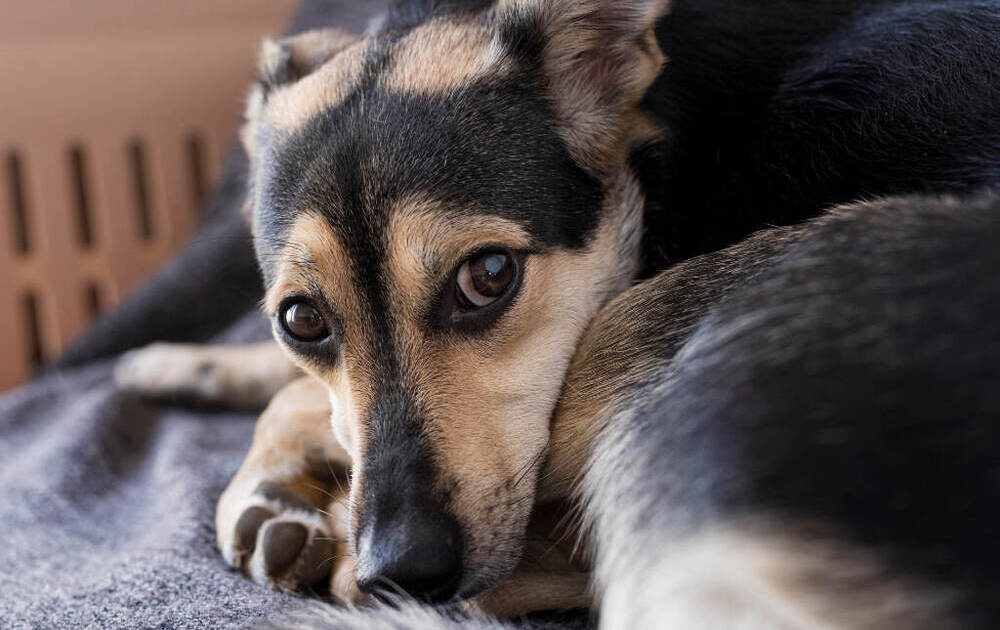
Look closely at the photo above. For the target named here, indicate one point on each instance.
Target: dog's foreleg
(239, 377)
(283, 520)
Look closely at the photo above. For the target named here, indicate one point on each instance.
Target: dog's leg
(283, 520)
(632, 337)
(554, 572)
(240, 377)
(530, 591)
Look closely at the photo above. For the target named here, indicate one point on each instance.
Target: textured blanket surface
(107, 511)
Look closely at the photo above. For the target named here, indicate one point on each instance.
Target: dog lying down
(497, 385)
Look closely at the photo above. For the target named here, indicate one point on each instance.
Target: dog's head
(439, 209)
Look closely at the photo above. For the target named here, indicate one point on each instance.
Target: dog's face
(439, 211)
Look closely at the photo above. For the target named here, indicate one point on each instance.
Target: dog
(451, 214)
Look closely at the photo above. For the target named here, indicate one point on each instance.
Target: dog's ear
(598, 58)
(284, 61)
(289, 59)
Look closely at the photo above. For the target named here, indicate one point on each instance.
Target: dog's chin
(481, 574)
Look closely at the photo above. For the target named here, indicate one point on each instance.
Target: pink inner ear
(614, 27)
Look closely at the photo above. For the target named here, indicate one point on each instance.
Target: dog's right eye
(483, 279)
(303, 321)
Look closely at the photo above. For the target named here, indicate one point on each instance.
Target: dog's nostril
(423, 559)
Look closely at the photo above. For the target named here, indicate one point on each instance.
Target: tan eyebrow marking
(312, 258)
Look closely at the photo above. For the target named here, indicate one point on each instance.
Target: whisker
(331, 558)
(319, 489)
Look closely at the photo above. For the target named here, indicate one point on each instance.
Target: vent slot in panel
(32, 328)
(81, 185)
(17, 203)
(140, 187)
(195, 151)
(92, 302)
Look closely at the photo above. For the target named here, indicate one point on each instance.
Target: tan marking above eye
(426, 236)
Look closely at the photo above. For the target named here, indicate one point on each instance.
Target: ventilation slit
(81, 194)
(32, 328)
(140, 188)
(92, 300)
(18, 203)
(195, 146)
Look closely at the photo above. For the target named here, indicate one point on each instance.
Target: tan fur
(314, 260)
(291, 439)
(620, 349)
(442, 56)
(327, 64)
(294, 430)
(488, 400)
(287, 106)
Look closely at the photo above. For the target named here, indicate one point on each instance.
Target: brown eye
(303, 321)
(484, 278)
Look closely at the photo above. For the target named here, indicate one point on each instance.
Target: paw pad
(282, 540)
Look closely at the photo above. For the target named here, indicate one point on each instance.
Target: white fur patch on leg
(236, 376)
(738, 579)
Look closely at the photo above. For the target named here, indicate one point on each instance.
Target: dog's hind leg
(817, 449)
(283, 520)
(238, 377)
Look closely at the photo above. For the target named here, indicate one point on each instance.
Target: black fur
(779, 109)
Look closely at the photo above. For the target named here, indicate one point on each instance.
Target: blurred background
(115, 117)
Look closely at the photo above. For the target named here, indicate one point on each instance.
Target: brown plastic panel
(82, 84)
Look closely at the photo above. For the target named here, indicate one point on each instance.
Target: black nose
(420, 553)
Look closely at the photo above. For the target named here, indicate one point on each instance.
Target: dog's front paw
(163, 370)
(244, 377)
(278, 537)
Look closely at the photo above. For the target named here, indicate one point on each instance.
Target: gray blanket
(107, 511)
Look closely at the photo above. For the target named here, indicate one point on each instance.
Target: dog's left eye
(483, 279)
(303, 321)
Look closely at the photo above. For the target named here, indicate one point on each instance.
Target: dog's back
(848, 391)
(777, 110)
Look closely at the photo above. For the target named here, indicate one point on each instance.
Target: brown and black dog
(444, 212)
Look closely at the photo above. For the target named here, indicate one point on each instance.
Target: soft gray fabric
(107, 511)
